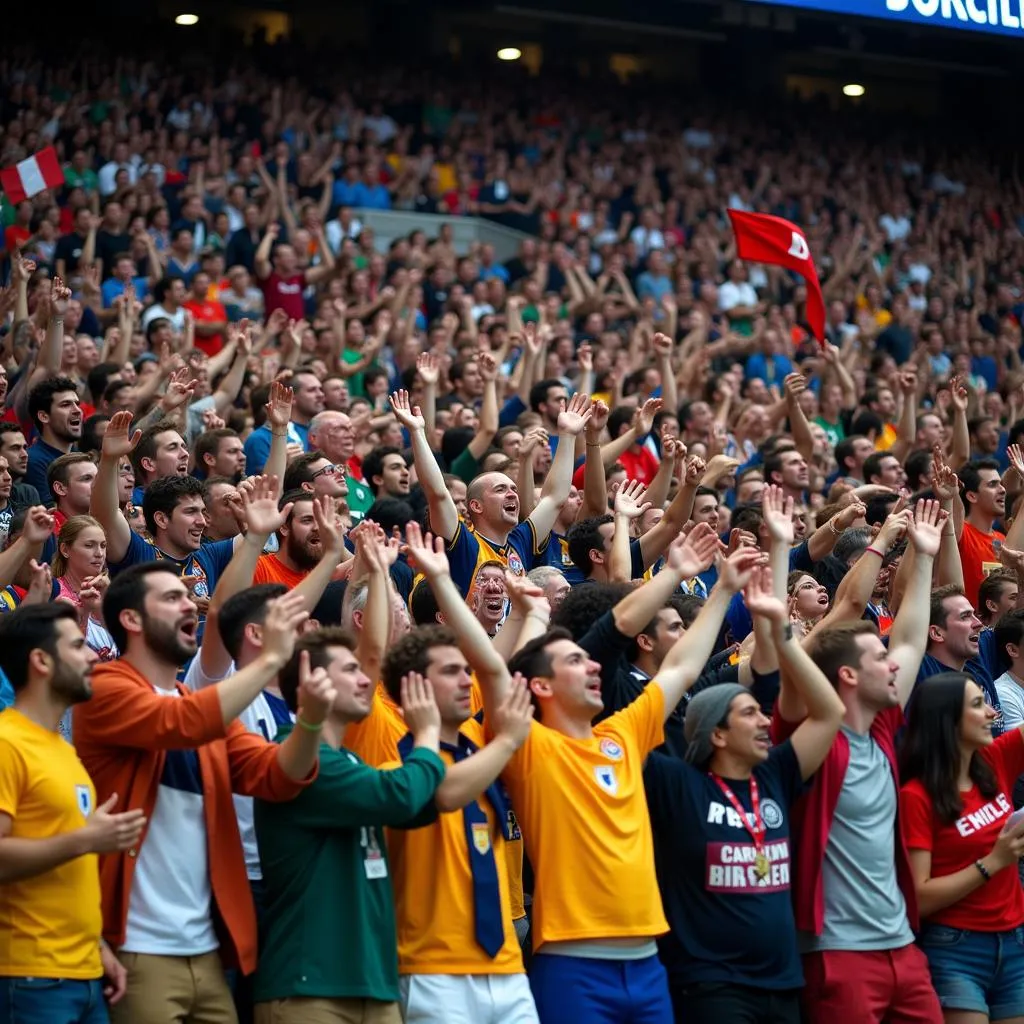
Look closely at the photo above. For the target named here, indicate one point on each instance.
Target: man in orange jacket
(180, 897)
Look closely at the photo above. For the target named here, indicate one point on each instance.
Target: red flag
(762, 238)
(33, 175)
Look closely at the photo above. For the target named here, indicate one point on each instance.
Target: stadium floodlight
(854, 90)
(187, 19)
(509, 53)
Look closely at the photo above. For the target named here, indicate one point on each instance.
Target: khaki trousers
(174, 990)
(327, 1011)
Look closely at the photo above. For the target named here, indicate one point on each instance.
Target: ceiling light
(509, 53)
(854, 90)
(187, 19)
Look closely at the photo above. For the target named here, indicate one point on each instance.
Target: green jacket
(328, 930)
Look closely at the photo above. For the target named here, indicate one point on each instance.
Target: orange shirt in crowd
(978, 557)
(270, 569)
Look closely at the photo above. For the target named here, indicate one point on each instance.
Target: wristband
(983, 870)
(308, 726)
(832, 527)
(874, 551)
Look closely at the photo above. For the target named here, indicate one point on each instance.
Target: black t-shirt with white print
(726, 924)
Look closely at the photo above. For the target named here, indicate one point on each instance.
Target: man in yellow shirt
(578, 792)
(52, 960)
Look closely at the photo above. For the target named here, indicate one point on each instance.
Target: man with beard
(300, 547)
(175, 514)
(56, 966)
(177, 906)
(56, 410)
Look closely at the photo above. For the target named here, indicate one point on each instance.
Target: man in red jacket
(179, 898)
(853, 892)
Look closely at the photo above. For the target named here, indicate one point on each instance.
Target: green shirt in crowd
(328, 930)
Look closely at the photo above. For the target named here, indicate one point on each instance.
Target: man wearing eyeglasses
(333, 435)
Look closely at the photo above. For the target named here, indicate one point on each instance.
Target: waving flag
(31, 176)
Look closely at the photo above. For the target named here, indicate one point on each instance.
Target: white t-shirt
(259, 720)
(731, 295)
(1011, 700)
(170, 900)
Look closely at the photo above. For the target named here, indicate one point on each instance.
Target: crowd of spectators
(654, 499)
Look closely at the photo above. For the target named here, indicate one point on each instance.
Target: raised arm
(428, 554)
(595, 484)
(663, 346)
(429, 372)
(260, 513)
(481, 440)
(572, 421)
(378, 557)
(906, 429)
(117, 443)
(824, 710)
(795, 385)
(629, 505)
(262, 258)
(50, 355)
(279, 414)
(908, 636)
(960, 451)
(444, 516)
(687, 658)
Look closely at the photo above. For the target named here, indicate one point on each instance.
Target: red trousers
(892, 985)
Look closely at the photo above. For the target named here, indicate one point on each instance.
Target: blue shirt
(113, 287)
(984, 669)
(257, 445)
(40, 455)
(771, 369)
(203, 566)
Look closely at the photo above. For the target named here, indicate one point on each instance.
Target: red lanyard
(756, 830)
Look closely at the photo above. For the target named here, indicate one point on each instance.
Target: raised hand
(533, 343)
(408, 415)
(846, 517)
(644, 420)
(419, 709)
(663, 346)
(513, 717)
(735, 571)
(428, 368)
(487, 364)
(585, 357)
(694, 470)
(693, 553)
(945, 483)
(1011, 559)
(958, 394)
(778, 514)
(328, 525)
(38, 525)
(526, 597)
(1016, 457)
(599, 413)
(718, 468)
(531, 439)
(259, 506)
(316, 693)
(60, 296)
(107, 832)
(925, 528)
(21, 269)
(760, 600)
(40, 588)
(795, 385)
(91, 593)
(279, 405)
(285, 616)
(180, 390)
(574, 417)
(629, 500)
(908, 382)
(426, 552)
(117, 442)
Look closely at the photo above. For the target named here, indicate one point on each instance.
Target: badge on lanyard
(374, 863)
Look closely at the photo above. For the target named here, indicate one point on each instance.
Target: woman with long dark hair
(955, 806)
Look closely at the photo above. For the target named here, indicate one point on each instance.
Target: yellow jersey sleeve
(644, 719)
(12, 778)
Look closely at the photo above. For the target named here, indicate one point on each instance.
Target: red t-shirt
(284, 293)
(208, 312)
(998, 906)
(640, 463)
(978, 558)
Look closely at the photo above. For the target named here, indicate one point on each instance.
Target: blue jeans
(978, 971)
(52, 1001)
(585, 991)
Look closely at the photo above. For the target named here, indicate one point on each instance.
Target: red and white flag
(31, 176)
(762, 238)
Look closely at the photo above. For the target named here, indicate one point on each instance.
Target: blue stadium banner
(1005, 17)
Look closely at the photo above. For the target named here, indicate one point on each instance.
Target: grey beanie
(703, 714)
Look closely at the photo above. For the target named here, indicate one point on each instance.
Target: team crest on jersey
(611, 749)
(606, 778)
(515, 563)
(83, 797)
(772, 813)
(481, 837)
